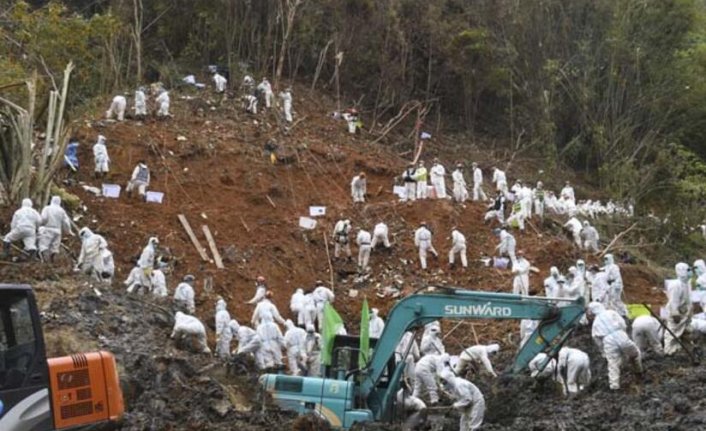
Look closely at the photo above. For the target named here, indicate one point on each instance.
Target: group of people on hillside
(119, 104)
(428, 367)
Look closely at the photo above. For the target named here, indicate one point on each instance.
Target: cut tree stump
(212, 246)
(192, 237)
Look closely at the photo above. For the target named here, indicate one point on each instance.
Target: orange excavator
(37, 394)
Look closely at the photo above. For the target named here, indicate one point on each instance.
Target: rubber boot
(6, 247)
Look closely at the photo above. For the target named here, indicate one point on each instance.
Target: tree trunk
(291, 8)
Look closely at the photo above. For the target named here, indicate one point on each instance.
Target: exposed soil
(219, 176)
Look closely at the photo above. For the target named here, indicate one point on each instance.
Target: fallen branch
(616, 238)
(244, 225)
(212, 246)
(192, 237)
(330, 266)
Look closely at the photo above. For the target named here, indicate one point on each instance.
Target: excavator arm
(557, 320)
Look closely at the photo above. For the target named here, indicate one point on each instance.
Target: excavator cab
(40, 394)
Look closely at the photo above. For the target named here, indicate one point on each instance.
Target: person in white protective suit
(139, 180)
(220, 82)
(538, 196)
(678, 307)
(249, 103)
(108, 270)
(647, 333)
(376, 324)
(358, 188)
(521, 270)
(409, 402)
(23, 227)
(90, 260)
(117, 108)
(421, 176)
(615, 281)
(535, 364)
(308, 315)
(295, 343)
(700, 273)
(478, 355)
(599, 285)
(146, 262)
(527, 327)
(222, 319)
(55, 221)
(459, 189)
(517, 217)
(248, 83)
(140, 104)
(496, 210)
(159, 284)
(590, 237)
(249, 343)
(184, 294)
(229, 332)
(364, 242)
(187, 330)
(265, 88)
(567, 192)
(500, 181)
(570, 289)
(574, 370)
(437, 174)
(422, 239)
(340, 238)
(608, 332)
(286, 97)
(432, 344)
(507, 244)
(574, 226)
(265, 309)
(409, 177)
(468, 400)
(551, 283)
(380, 236)
(296, 306)
(426, 372)
(100, 158)
(272, 342)
(407, 346)
(260, 290)
(163, 102)
(313, 352)
(458, 246)
(525, 197)
(134, 280)
(478, 192)
(321, 295)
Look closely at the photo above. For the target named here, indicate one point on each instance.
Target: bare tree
(290, 8)
(138, 11)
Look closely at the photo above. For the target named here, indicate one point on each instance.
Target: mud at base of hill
(164, 388)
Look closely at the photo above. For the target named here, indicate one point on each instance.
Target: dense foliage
(613, 88)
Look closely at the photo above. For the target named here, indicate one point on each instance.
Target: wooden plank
(212, 245)
(192, 237)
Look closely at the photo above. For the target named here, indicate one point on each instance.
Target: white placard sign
(317, 211)
(155, 197)
(307, 223)
(111, 190)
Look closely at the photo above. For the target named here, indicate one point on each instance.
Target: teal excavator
(346, 395)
